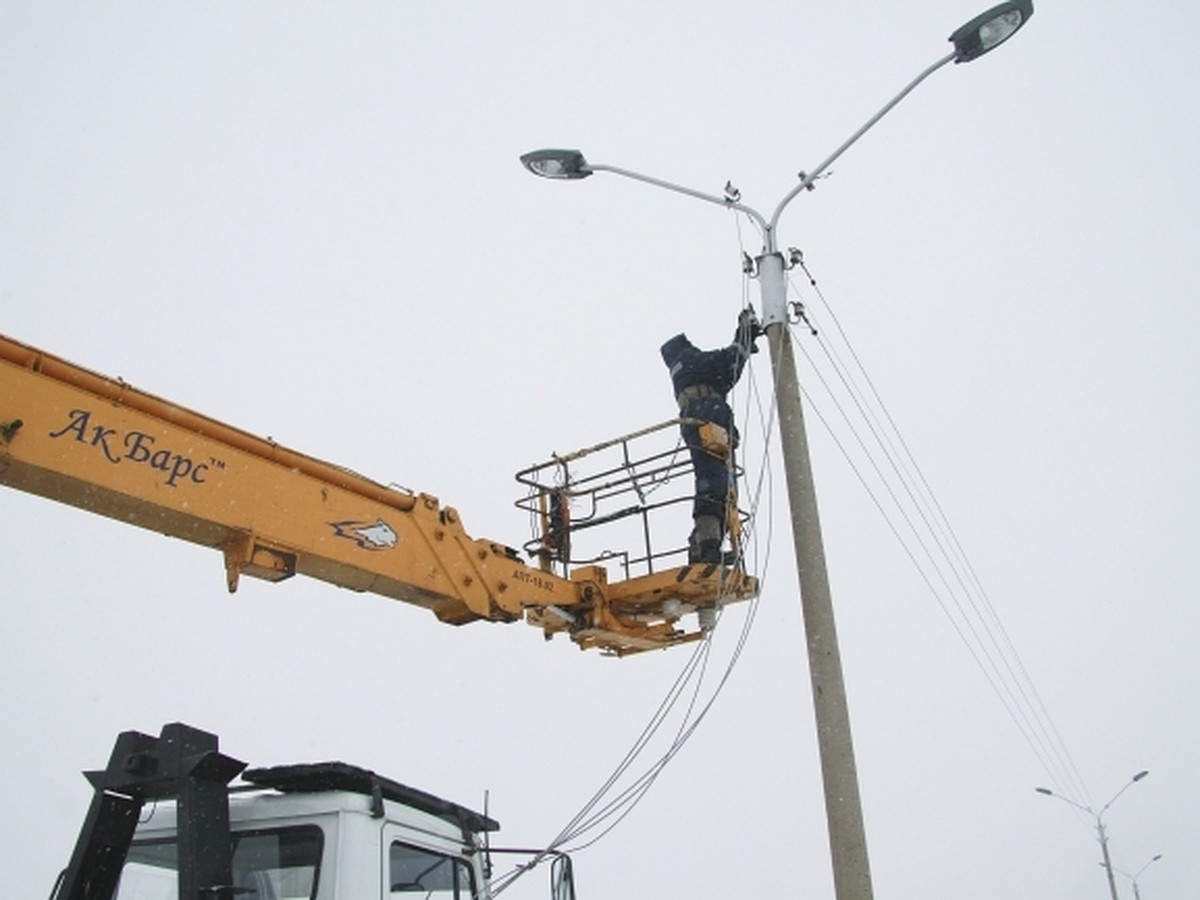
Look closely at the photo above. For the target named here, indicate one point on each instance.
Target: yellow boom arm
(99, 444)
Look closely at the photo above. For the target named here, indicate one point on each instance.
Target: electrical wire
(919, 523)
(966, 574)
(978, 623)
(695, 669)
(603, 811)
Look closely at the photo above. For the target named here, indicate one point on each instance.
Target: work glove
(748, 329)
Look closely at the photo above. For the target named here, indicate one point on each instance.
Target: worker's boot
(704, 545)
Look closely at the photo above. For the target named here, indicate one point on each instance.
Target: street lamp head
(1046, 791)
(989, 30)
(565, 164)
(1140, 775)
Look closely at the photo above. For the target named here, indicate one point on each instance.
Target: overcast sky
(308, 220)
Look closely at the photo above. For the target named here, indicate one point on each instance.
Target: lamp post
(1137, 894)
(843, 808)
(1101, 834)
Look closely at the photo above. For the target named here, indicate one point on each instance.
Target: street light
(989, 30)
(1137, 894)
(1101, 834)
(843, 807)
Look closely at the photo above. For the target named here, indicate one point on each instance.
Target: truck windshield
(272, 864)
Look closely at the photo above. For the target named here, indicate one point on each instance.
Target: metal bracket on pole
(773, 286)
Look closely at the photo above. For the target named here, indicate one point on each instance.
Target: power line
(929, 540)
(603, 811)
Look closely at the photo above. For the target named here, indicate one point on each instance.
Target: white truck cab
(166, 824)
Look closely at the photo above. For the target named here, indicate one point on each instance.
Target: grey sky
(308, 220)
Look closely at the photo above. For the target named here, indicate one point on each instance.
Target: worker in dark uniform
(702, 380)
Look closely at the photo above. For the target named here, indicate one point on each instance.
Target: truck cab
(314, 831)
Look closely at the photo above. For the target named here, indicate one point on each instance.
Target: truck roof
(308, 778)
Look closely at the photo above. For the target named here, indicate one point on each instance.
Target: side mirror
(562, 879)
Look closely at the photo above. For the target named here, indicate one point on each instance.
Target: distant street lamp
(1137, 894)
(843, 807)
(1100, 832)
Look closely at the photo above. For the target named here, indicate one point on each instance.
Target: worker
(702, 380)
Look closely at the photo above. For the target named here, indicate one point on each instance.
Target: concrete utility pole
(843, 807)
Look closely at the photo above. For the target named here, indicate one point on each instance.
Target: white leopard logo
(377, 536)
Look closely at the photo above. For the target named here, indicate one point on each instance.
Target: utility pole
(1108, 867)
(835, 744)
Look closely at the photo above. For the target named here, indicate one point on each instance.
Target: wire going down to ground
(845, 400)
(696, 688)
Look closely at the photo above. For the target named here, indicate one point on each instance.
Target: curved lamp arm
(982, 34)
(807, 178)
(1132, 781)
